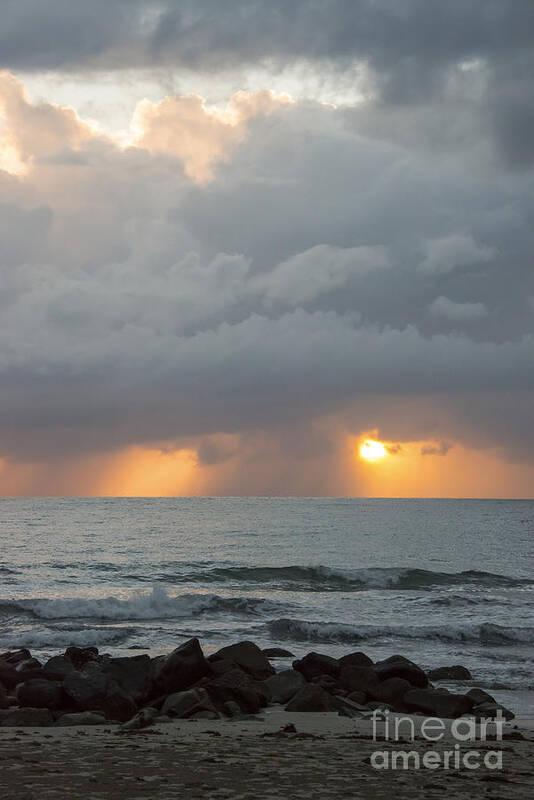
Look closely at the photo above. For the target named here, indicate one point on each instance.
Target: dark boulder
(277, 652)
(80, 656)
(26, 718)
(347, 708)
(355, 660)
(38, 693)
(359, 679)
(95, 691)
(28, 664)
(357, 697)
(310, 698)
(131, 673)
(4, 702)
(454, 673)
(400, 667)
(222, 666)
(490, 711)
(188, 704)
(284, 685)
(14, 657)
(389, 691)
(437, 704)
(236, 685)
(479, 696)
(9, 677)
(248, 656)
(315, 664)
(59, 665)
(180, 669)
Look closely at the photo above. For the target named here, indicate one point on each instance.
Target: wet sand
(328, 757)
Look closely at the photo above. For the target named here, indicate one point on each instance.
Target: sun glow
(371, 450)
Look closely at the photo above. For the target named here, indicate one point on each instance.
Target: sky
(238, 239)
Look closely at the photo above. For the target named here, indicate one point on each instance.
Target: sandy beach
(328, 757)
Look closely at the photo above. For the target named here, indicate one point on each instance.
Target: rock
(205, 715)
(222, 666)
(315, 664)
(80, 656)
(26, 718)
(80, 718)
(437, 704)
(95, 691)
(180, 669)
(14, 657)
(357, 697)
(359, 679)
(9, 677)
(41, 694)
(232, 709)
(236, 685)
(28, 664)
(400, 667)
(479, 696)
(132, 674)
(454, 673)
(188, 703)
(4, 702)
(248, 656)
(310, 698)
(347, 708)
(284, 685)
(390, 691)
(277, 652)
(489, 711)
(355, 660)
(142, 719)
(59, 665)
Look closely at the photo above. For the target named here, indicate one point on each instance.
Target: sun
(371, 450)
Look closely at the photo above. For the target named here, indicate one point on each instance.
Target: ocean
(439, 581)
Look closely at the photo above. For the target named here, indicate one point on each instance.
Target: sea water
(439, 581)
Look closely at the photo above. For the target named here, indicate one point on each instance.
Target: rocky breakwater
(83, 687)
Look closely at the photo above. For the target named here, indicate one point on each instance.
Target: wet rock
(80, 718)
(14, 657)
(400, 667)
(9, 677)
(437, 704)
(347, 708)
(142, 719)
(238, 686)
(315, 664)
(248, 656)
(59, 665)
(310, 698)
(357, 697)
(489, 710)
(454, 673)
(26, 718)
(28, 664)
(359, 679)
(95, 691)
(356, 660)
(232, 709)
(479, 696)
(181, 669)
(222, 666)
(4, 702)
(390, 691)
(80, 656)
(188, 703)
(284, 685)
(277, 652)
(38, 693)
(131, 673)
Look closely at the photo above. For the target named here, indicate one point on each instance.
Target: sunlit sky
(239, 242)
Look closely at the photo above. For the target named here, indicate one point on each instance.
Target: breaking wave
(60, 638)
(156, 605)
(321, 578)
(485, 633)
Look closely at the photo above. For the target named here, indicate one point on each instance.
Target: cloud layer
(270, 265)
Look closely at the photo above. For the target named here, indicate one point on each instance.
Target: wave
(8, 571)
(321, 578)
(59, 638)
(156, 605)
(485, 633)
